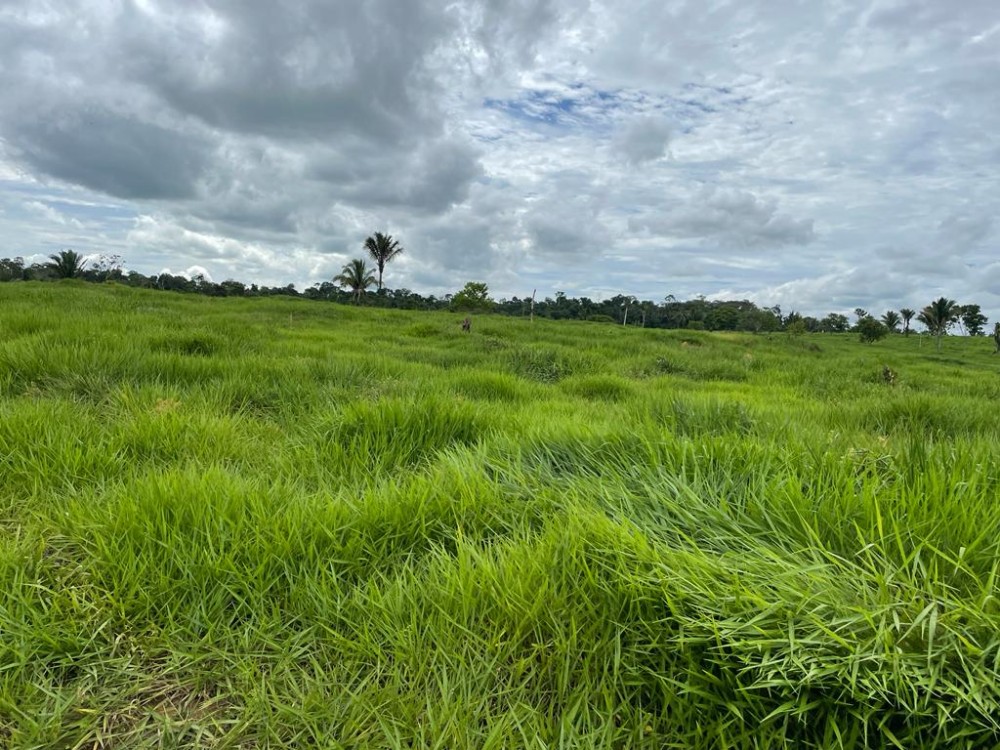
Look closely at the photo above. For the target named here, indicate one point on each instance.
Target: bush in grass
(473, 297)
(796, 328)
(871, 330)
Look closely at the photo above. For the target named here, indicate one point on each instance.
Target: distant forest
(622, 309)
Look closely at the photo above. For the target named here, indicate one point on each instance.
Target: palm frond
(67, 264)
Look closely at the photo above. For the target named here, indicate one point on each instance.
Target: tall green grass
(276, 523)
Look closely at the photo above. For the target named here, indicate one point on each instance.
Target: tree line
(353, 283)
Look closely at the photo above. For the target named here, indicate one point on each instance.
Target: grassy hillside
(276, 523)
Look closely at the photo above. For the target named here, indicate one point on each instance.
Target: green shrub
(871, 330)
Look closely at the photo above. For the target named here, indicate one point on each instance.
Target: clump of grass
(422, 330)
(543, 365)
(663, 366)
(598, 387)
(491, 342)
(922, 414)
(697, 365)
(200, 344)
(489, 386)
(699, 416)
(372, 439)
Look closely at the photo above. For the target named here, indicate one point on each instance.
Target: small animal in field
(467, 325)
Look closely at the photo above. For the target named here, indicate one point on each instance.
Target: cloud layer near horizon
(820, 156)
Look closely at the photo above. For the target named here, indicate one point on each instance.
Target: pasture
(276, 523)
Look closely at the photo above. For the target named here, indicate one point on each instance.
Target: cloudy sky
(815, 154)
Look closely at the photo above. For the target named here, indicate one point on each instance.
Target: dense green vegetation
(357, 277)
(276, 523)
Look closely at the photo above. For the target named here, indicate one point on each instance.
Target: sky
(812, 154)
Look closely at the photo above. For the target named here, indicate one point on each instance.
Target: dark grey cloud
(315, 73)
(431, 177)
(111, 153)
(306, 70)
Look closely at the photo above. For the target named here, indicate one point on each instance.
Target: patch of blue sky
(540, 109)
(699, 101)
(566, 108)
(570, 107)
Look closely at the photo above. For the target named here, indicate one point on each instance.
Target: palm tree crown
(891, 320)
(907, 315)
(356, 276)
(382, 248)
(67, 264)
(939, 315)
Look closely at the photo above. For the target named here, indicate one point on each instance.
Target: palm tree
(891, 320)
(67, 264)
(382, 248)
(907, 315)
(938, 316)
(357, 277)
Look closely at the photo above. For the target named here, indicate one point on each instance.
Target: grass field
(275, 523)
